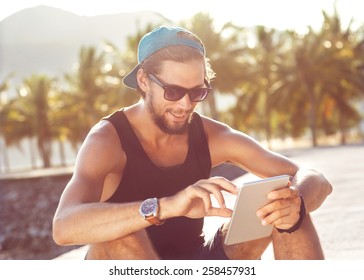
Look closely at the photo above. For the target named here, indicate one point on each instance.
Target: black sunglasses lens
(198, 94)
(174, 94)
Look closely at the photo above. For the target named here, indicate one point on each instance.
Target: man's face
(173, 117)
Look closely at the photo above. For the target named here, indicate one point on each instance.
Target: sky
(282, 14)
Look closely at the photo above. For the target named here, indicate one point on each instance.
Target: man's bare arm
(81, 216)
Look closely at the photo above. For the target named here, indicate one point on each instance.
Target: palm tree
(35, 107)
(264, 70)
(28, 116)
(327, 71)
(15, 126)
(82, 99)
(95, 90)
(270, 57)
(3, 119)
(312, 80)
(225, 49)
(346, 86)
(288, 103)
(308, 56)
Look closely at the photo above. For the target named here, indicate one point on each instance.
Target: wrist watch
(149, 210)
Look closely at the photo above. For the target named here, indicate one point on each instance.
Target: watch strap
(154, 220)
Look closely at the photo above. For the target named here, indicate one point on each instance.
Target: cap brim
(130, 80)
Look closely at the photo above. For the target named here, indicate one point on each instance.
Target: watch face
(149, 206)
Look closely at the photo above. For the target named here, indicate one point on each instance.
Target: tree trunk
(45, 152)
(343, 129)
(313, 116)
(33, 163)
(6, 160)
(267, 121)
(62, 153)
(211, 101)
(308, 86)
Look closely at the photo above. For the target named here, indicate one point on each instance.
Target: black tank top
(142, 179)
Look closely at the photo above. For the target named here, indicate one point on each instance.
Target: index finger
(225, 184)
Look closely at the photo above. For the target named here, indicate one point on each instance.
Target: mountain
(46, 40)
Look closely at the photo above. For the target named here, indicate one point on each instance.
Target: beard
(162, 123)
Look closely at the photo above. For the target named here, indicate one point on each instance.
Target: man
(141, 186)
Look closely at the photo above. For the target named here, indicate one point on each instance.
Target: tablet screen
(244, 224)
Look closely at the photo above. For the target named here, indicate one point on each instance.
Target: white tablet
(244, 224)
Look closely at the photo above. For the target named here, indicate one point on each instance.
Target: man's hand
(284, 210)
(195, 200)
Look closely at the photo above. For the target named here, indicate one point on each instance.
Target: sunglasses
(175, 93)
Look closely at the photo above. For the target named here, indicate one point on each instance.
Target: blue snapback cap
(159, 38)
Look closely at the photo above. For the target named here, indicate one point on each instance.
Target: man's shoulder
(213, 127)
(101, 151)
(103, 133)
(221, 133)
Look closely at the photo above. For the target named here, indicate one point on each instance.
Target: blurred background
(289, 74)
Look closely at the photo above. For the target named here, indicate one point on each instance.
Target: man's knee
(250, 250)
(133, 246)
(302, 244)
